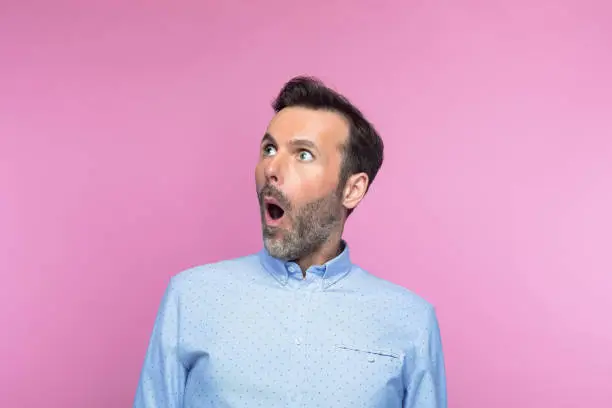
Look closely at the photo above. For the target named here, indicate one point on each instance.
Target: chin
(273, 238)
(275, 247)
(272, 232)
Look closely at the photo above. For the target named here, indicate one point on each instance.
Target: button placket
(301, 340)
(311, 308)
(296, 316)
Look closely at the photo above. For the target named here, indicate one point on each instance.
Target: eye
(269, 150)
(305, 155)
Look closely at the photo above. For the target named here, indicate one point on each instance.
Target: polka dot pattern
(253, 332)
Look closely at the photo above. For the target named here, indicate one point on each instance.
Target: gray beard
(311, 227)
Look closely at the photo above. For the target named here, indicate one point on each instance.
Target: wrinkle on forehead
(322, 127)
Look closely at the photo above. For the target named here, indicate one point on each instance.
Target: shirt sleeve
(162, 378)
(426, 377)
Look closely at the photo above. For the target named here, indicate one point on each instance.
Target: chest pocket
(369, 372)
(369, 352)
(369, 358)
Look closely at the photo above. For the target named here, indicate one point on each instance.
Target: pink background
(129, 132)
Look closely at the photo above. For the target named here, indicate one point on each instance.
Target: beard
(310, 225)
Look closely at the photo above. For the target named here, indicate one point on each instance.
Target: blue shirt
(252, 332)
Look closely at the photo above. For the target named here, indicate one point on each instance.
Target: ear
(354, 190)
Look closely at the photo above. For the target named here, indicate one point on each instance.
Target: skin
(299, 166)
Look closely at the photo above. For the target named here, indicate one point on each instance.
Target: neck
(328, 251)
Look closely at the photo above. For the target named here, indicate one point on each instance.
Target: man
(298, 324)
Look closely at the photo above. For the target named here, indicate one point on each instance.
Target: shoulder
(399, 300)
(214, 273)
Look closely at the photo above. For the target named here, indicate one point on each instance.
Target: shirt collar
(330, 272)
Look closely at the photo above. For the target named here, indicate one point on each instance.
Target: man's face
(297, 180)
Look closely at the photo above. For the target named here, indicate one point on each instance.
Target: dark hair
(364, 149)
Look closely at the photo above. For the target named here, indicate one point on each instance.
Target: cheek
(306, 188)
(260, 178)
(316, 184)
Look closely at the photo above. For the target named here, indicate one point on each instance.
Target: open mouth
(275, 212)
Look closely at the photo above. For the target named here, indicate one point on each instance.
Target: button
(292, 269)
(371, 359)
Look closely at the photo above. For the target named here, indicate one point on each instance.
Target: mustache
(268, 190)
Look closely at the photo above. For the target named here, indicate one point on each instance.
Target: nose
(273, 170)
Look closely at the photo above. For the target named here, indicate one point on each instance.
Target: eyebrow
(303, 143)
(294, 142)
(268, 138)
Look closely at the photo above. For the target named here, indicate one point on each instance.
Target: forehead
(326, 129)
